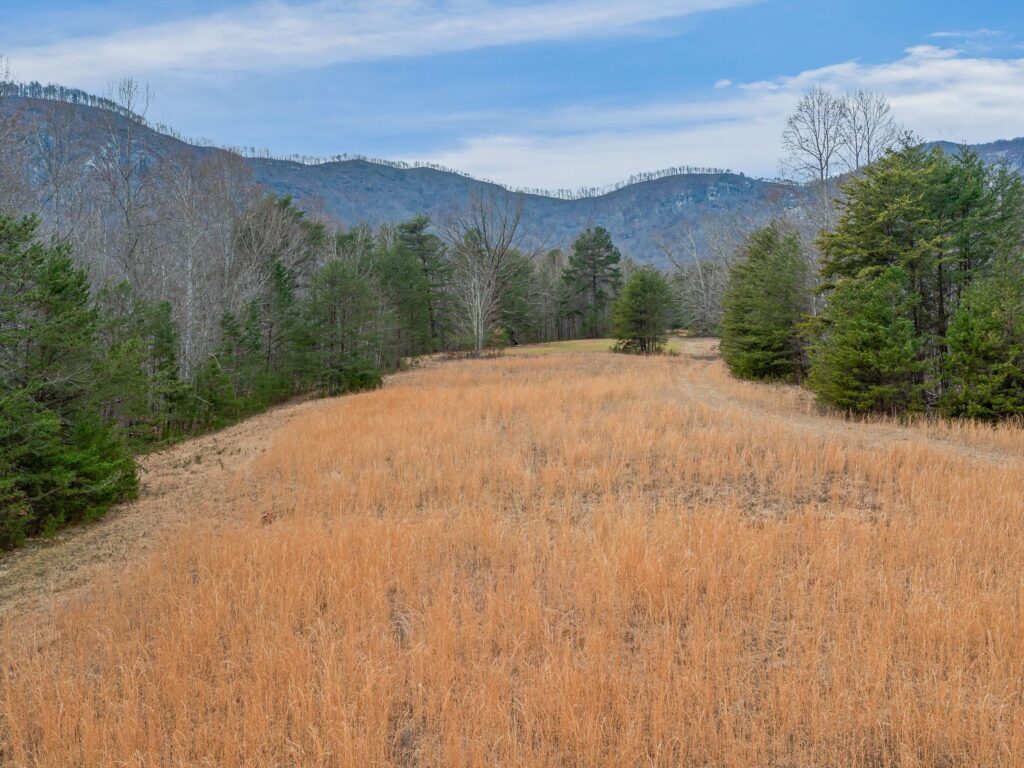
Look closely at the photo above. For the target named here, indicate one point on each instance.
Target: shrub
(642, 313)
(351, 376)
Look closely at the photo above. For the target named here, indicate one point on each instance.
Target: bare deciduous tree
(813, 137)
(869, 128)
(829, 134)
(124, 172)
(63, 170)
(16, 194)
(484, 240)
(547, 289)
(702, 265)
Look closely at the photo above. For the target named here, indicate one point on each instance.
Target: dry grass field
(572, 559)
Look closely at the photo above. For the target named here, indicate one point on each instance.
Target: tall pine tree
(592, 280)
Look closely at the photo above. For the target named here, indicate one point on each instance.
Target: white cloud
(937, 92)
(723, 83)
(273, 35)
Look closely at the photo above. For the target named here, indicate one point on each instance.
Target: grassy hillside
(570, 559)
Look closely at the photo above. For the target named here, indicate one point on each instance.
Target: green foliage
(214, 401)
(944, 220)
(405, 286)
(518, 320)
(340, 310)
(429, 251)
(642, 313)
(137, 377)
(60, 462)
(346, 376)
(866, 354)
(592, 279)
(985, 367)
(764, 305)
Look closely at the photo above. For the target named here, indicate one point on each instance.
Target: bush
(351, 376)
(643, 313)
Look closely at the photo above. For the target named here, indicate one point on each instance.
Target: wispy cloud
(979, 41)
(939, 93)
(274, 35)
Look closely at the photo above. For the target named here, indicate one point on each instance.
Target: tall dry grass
(572, 560)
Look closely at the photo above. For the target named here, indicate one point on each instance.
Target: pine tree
(592, 279)
(866, 355)
(138, 380)
(407, 292)
(642, 313)
(985, 367)
(943, 219)
(341, 310)
(764, 306)
(60, 461)
(428, 249)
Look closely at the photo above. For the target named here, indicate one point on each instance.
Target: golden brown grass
(578, 345)
(591, 560)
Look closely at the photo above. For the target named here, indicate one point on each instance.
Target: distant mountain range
(640, 216)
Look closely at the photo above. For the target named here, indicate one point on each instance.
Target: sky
(531, 93)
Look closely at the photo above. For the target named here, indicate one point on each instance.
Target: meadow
(568, 558)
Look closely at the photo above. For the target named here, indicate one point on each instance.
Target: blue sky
(548, 93)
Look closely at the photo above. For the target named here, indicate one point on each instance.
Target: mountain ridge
(641, 216)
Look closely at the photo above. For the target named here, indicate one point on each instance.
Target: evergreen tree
(239, 357)
(985, 367)
(428, 249)
(407, 292)
(282, 335)
(518, 321)
(60, 462)
(642, 312)
(764, 306)
(866, 354)
(214, 400)
(341, 310)
(592, 279)
(138, 381)
(943, 219)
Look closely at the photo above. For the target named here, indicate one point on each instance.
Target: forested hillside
(640, 216)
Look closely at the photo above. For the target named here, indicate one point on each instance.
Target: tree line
(921, 280)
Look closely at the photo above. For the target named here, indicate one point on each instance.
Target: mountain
(1009, 151)
(640, 216)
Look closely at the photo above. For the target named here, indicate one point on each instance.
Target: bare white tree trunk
(484, 240)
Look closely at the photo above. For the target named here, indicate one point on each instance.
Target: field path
(706, 379)
(176, 485)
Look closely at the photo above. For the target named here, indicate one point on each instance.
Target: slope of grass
(565, 560)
